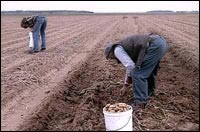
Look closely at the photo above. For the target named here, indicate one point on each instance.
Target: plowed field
(67, 86)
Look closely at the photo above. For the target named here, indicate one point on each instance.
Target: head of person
(24, 23)
(109, 51)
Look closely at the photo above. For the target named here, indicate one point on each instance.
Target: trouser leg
(152, 81)
(152, 57)
(43, 34)
(36, 32)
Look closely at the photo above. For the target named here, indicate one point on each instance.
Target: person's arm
(30, 21)
(124, 58)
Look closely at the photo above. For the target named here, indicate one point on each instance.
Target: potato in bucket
(118, 117)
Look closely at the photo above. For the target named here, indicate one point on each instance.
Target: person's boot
(42, 49)
(127, 80)
(137, 106)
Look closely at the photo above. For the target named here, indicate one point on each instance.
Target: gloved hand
(127, 80)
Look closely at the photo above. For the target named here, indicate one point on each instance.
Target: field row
(67, 86)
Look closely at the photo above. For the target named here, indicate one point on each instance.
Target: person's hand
(127, 80)
(123, 90)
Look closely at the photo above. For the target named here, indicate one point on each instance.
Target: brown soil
(67, 86)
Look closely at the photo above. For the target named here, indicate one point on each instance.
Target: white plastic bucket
(31, 44)
(120, 121)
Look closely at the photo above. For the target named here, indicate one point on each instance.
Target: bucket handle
(121, 127)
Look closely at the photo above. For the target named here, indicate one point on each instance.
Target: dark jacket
(135, 46)
(28, 21)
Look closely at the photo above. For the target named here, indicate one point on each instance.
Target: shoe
(42, 49)
(138, 106)
(128, 80)
(36, 51)
(32, 51)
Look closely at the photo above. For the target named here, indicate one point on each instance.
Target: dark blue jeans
(39, 29)
(144, 78)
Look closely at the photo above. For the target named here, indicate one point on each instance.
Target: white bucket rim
(117, 113)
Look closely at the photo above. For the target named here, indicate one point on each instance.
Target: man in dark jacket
(141, 55)
(38, 25)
